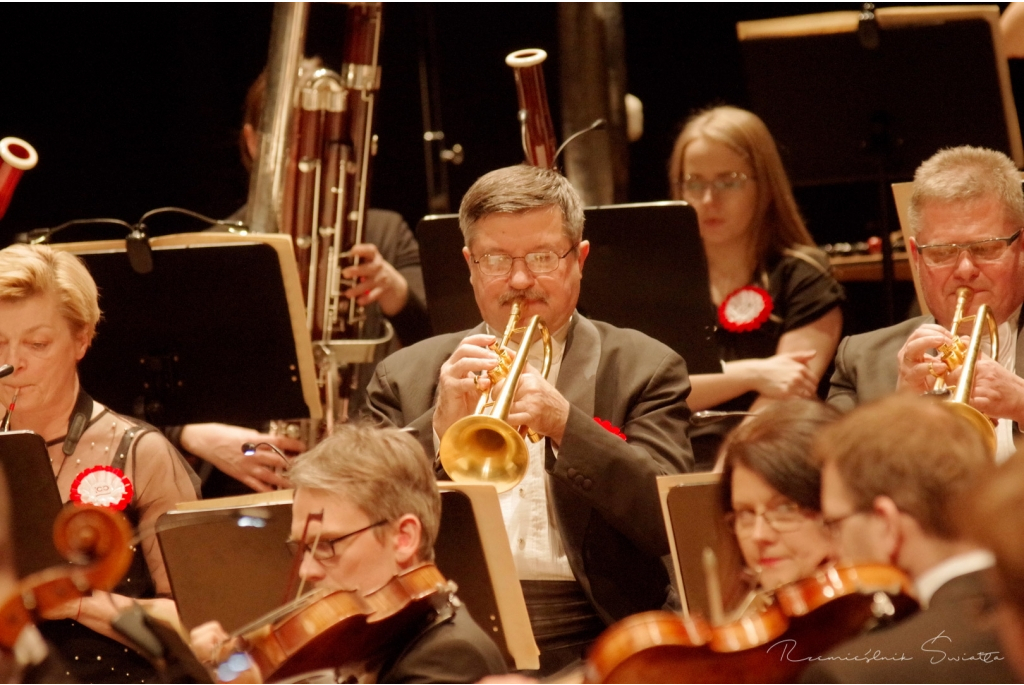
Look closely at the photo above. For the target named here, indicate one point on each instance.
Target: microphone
(6, 370)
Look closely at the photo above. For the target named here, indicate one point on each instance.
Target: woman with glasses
(778, 305)
(772, 491)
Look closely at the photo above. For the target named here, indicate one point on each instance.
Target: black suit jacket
(450, 651)
(867, 367)
(952, 641)
(866, 364)
(602, 489)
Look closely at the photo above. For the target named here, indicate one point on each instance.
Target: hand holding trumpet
(918, 366)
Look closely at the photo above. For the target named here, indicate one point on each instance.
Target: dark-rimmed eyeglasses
(784, 518)
(983, 251)
(536, 262)
(693, 186)
(324, 549)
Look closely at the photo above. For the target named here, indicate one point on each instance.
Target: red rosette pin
(102, 486)
(745, 309)
(607, 425)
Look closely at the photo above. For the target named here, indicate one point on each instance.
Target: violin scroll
(97, 540)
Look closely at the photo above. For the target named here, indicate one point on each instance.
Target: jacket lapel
(577, 377)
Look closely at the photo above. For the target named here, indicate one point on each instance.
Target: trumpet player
(966, 217)
(585, 523)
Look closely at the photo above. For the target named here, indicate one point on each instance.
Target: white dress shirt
(1008, 360)
(536, 545)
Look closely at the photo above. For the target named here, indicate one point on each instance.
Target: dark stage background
(133, 107)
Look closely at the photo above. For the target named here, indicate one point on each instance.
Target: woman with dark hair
(772, 491)
(778, 304)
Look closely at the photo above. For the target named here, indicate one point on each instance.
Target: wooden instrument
(771, 643)
(97, 539)
(311, 180)
(344, 629)
(538, 133)
(16, 157)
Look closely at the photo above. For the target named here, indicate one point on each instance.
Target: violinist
(48, 314)
(893, 478)
(380, 515)
(772, 491)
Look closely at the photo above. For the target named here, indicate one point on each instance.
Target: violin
(97, 541)
(342, 629)
(769, 643)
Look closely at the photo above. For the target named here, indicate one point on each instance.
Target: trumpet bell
(981, 423)
(481, 450)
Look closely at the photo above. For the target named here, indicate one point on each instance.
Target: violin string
(274, 615)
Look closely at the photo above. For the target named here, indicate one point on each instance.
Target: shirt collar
(928, 583)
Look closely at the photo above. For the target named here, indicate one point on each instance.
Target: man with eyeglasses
(366, 508)
(966, 215)
(585, 524)
(895, 477)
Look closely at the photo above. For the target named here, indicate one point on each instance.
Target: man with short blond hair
(966, 216)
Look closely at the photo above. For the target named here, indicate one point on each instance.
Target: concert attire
(867, 368)
(802, 290)
(450, 650)
(951, 641)
(600, 489)
(160, 478)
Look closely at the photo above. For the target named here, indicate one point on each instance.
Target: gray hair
(517, 189)
(383, 471)
(965, 174)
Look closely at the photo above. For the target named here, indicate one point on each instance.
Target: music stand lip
(208, 292)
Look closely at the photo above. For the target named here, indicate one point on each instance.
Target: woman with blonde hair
(48, 314)
(778, 305)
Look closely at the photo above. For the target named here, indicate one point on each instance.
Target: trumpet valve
(953, 353)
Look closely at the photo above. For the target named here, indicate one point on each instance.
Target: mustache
(521, 296)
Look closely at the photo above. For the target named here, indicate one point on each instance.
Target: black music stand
(226, 558)
(867, 98)
(646, 270)
(215, 332)
(227, 562)
(34, 501)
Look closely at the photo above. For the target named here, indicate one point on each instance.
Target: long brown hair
(777, 223)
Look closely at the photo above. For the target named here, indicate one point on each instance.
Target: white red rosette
(745, 309)
(102, 486)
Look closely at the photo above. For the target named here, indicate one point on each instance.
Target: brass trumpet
(956, 353)
(483, 448)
